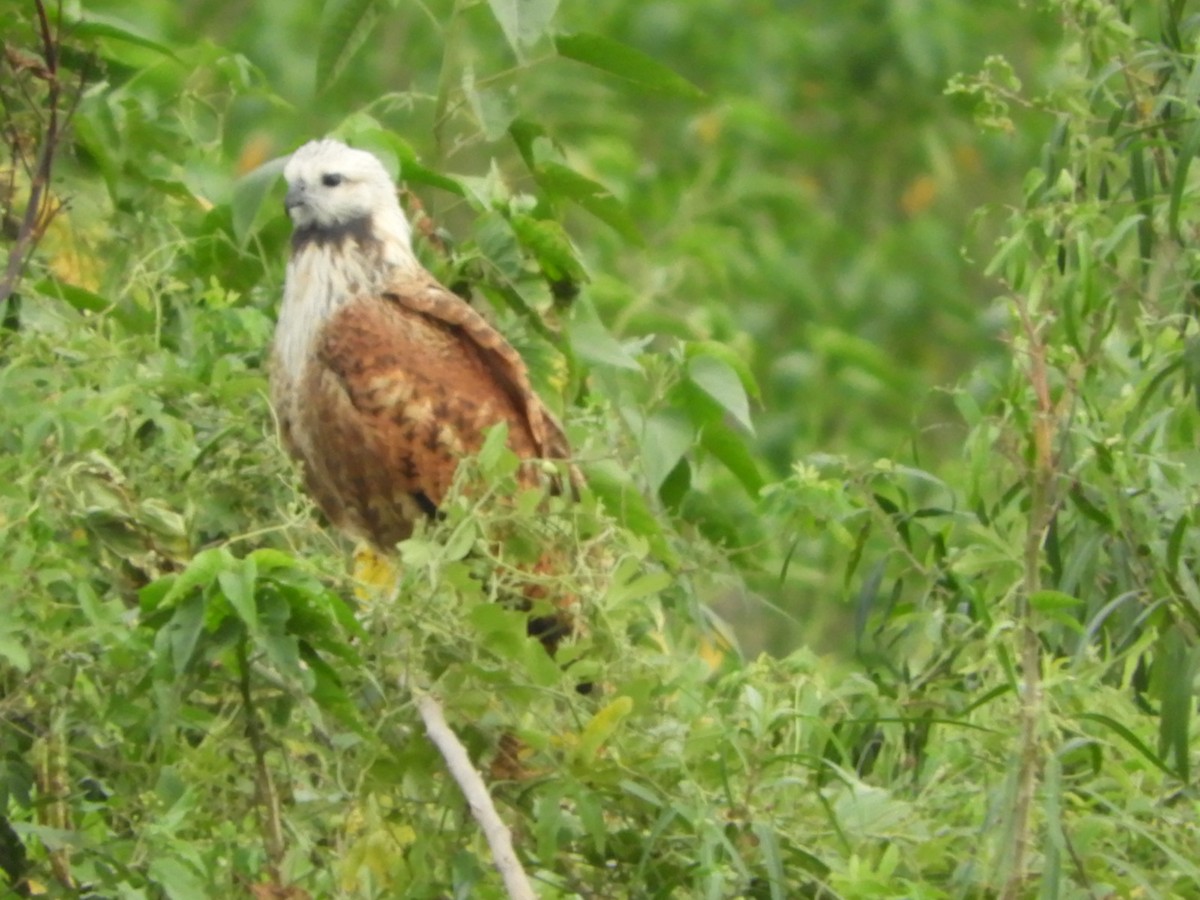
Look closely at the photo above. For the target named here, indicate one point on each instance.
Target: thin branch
(499, 839)
(40, 207)
(270, 816)
(1041, 514)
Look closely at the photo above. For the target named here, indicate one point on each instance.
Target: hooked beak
(296, 196)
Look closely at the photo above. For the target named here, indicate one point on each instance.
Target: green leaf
(237, 584)
(183, 632)
(559, 181)
(523, 21)
(1175, 676)
(329, 693)
(1053, 601)
(268, 559)
(551, 246)
(494, 449)
(1130, 738)
(637, 588)
(718, 379)
(602, 727)
(92, 26)
(625, 62)
(80, 298)
(593, 343)
(344, 27)
(768, 845)
(612, 485)
(731, 358)
(201, 572)
(14, 652)
(249, 193)
(733, 452)
(666, 438)
(178, 880)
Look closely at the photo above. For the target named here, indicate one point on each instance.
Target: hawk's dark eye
(333, 179)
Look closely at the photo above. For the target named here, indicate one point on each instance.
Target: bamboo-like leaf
(1175, 674)
(93, 27)
(1130, 738)
(625, 62)
(344, 26)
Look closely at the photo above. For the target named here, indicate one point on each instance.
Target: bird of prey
(381, 378)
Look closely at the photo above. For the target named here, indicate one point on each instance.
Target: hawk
(381, 378)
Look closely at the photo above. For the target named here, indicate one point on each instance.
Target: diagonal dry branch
(499, 838)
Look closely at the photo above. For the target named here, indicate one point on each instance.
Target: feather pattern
(381, 378)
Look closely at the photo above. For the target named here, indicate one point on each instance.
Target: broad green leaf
(237, 584)
(718, 379)
(80, 298)
(283, 650)
(329, 693)
(177, 879)
(731, 358)
(14, 652)
(268, 559)
(183, 632)
(735, 454)
(561, 182)
(666, 438)
(551, 246)
(501, 631)
(625, 62)
(523, 21)
(595, 344)
(249, 192)
(201, 572)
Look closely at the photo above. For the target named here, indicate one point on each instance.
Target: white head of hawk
(332, 187)
(382, 380)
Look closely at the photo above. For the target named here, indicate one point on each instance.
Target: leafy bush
(721, 249)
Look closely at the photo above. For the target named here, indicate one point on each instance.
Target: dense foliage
(942, 464)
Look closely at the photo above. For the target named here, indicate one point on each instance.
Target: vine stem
(471, 783)
(1041, 514)
(269, 812)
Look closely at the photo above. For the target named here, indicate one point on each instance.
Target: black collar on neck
(357, 230)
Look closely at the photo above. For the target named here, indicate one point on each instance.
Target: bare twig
(41, 207)
(499, 839)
